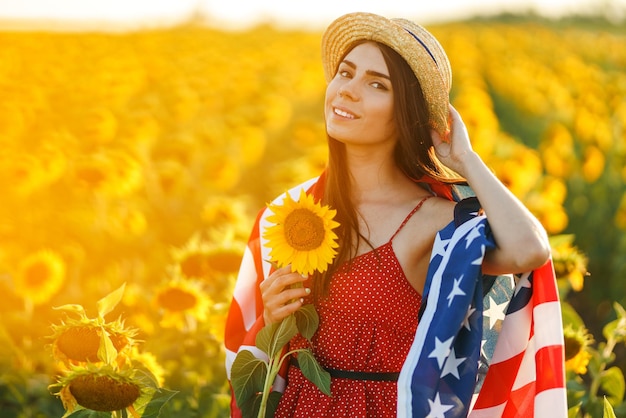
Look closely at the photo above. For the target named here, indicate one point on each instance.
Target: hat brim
(417, 46)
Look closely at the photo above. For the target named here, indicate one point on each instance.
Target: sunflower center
(82, 343)
(194, 265)
(37, 274)
(92, 176)
(304, 230)
(572, 347)
(103, 393)
(176, 300)
(225, 261)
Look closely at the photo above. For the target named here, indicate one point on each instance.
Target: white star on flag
(466, 323)
(495, 311)
(479, 260)
(439, 248)
(472, 235)
(437, 410)
(456, 290)
(452, 365)
(482, 347)
(523, 283)
(441, 351)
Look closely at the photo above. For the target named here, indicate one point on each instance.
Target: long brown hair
(414, 154)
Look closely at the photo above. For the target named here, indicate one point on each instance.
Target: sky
(316, 13)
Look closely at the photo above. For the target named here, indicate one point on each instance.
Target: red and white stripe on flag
(526, 377)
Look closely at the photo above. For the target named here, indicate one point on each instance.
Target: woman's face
(359, 99)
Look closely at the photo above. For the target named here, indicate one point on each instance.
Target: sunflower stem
(597, 379)
(272, 371)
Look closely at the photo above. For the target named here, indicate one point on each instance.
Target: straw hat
(415, 44)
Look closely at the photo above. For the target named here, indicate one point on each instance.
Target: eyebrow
(369, 72)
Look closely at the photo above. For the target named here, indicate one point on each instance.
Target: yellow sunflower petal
(301, 234)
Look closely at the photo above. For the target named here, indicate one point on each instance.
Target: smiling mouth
(343, 113)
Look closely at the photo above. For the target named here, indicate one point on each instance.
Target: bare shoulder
(434, 214)
(439, 212)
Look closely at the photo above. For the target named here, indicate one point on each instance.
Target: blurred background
(138, 140)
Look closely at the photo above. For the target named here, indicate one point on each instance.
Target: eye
(379, 85)
(344, 73)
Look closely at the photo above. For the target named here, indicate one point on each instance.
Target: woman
(395, 146)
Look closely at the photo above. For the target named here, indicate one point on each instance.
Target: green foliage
(307, 321)
(608, 409)
(110, 301)
(247, 376)
(252, 378)
(602, 387)
(272, 338)
(312, 371)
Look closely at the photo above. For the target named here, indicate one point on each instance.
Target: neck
(373, 174)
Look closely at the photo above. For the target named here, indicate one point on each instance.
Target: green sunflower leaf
(110, 301)
(153, 407)
(570, 316)
(313, 371)
(307, 321)
(272, 403)
(250, 408)
(608, 409)
(272, 338)
(72, 308)
(107, 352)
(248, 375)
(574, 410)
(612, 382)
(616, 329)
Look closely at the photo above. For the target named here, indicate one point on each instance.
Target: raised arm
(521, 241)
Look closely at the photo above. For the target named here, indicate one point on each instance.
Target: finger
(285, 296)
(436, 137)
(279, 313)
(289, 279)
(279, 278)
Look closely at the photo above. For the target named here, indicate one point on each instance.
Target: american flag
(478, 351)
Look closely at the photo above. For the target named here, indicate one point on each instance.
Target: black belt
(347, 374)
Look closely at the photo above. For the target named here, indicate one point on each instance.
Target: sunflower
(192, 258)
(112, 173)
(302, 234)
(182, 301)
(90, 340)
(171, 176)
(79, 340)
(569, 263)
(223, 173)
(40, 276)
(127, 223)
(577, 355)
(22, 173)
(99, 126)
(224, 258)
(103, 388)
(226, 213)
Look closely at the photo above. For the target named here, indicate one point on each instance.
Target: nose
(347, 91)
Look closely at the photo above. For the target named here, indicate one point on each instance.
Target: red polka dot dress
(367, 324)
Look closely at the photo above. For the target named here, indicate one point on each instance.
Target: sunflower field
(132, 166)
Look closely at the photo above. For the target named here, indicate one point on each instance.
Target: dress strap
(415, 209)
